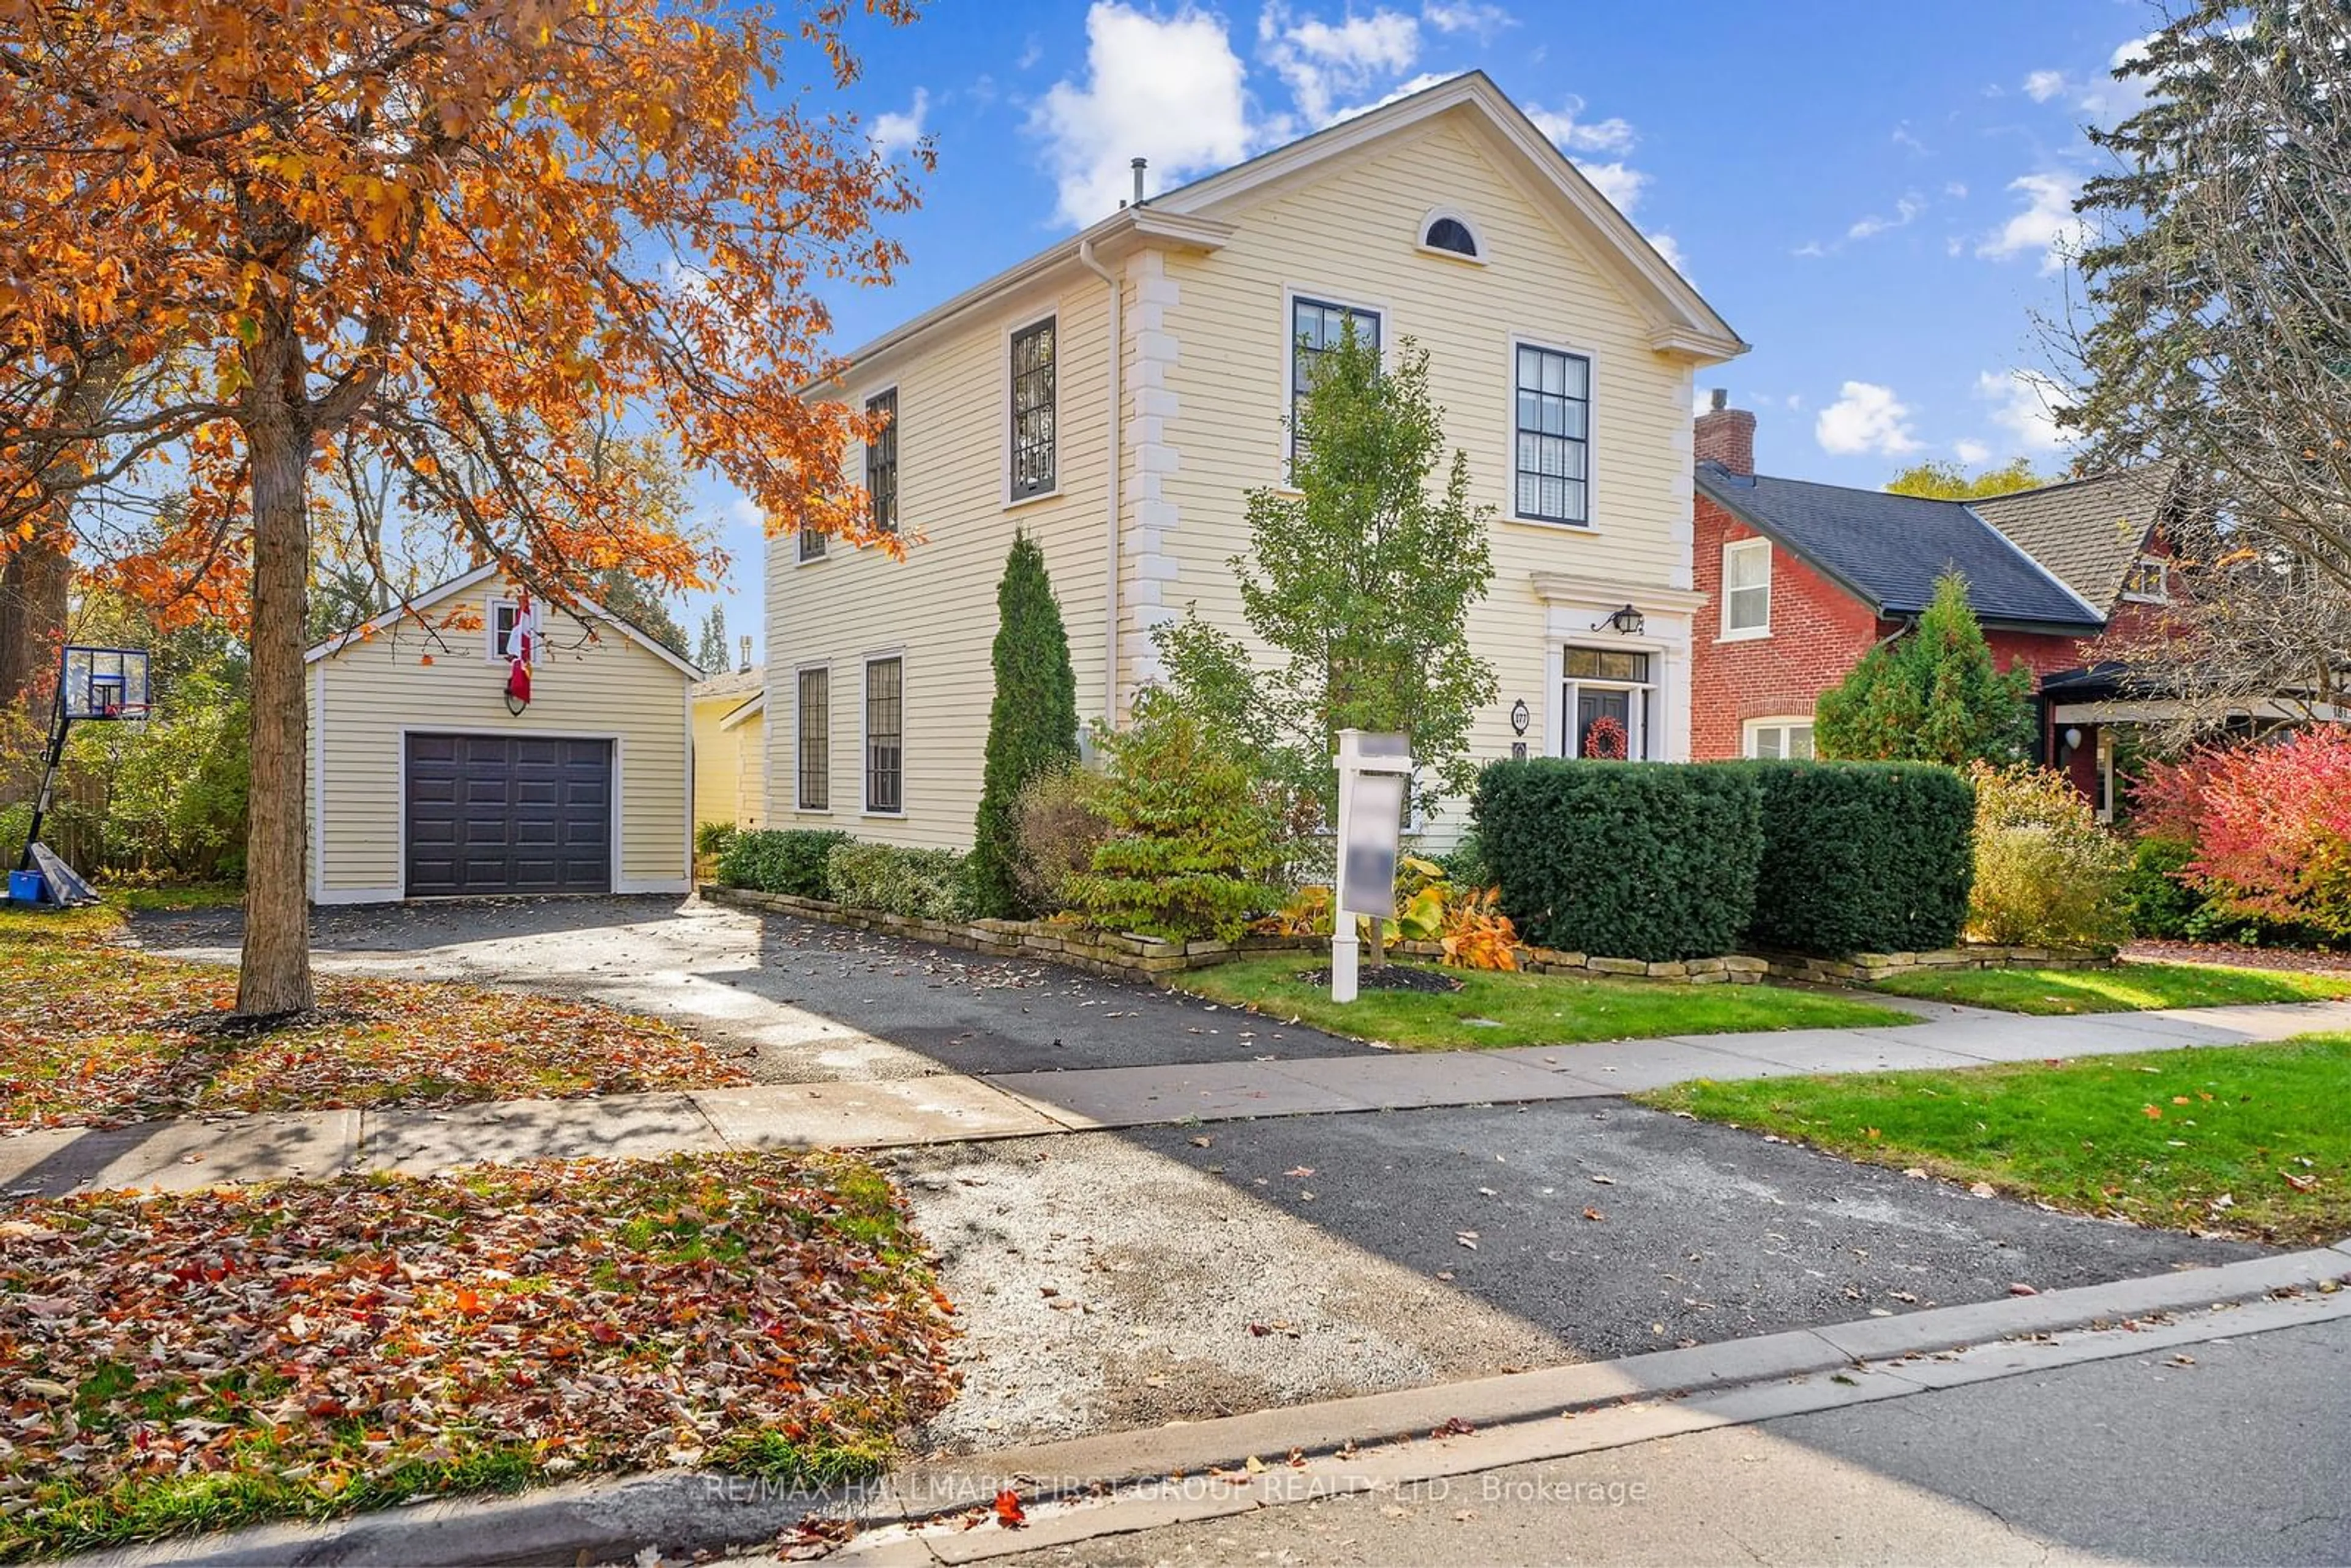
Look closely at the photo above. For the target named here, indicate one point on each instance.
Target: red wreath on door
(1605, 739)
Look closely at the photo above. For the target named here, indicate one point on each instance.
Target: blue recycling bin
(25, 887)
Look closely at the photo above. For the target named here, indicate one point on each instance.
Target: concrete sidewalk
(946, 1108)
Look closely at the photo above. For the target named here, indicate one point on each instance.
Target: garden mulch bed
(1391, 977)
(305, 1349)
(2309, 960)
(95, 1035)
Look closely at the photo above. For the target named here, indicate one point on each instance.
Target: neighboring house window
(1747, 588)
(811, 544)
(2148, 582)
(505, 616)
(813, 738)
(881, 463)
(1032, 411)
(1779, 739)
(1316, 328)
(1554, 435)
(886, 735)
(1452, 235)
(1607, 701)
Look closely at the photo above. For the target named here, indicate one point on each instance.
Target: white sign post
(1374, 772)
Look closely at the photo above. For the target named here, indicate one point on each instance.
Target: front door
(1603, 722)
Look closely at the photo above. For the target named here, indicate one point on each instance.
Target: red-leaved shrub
(2271, 822)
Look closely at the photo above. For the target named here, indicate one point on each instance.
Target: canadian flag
(518, 656)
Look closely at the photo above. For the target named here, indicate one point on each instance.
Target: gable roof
(1196, 215)
(2087, 532)
(730, 683)
(1888, 550)
(481, 574)
(752, 709)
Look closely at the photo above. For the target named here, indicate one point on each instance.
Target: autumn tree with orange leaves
(459, 238)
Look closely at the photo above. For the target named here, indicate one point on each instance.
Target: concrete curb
(685, 1511)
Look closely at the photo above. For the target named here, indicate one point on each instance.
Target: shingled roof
(1888, 550)
(2086, 531)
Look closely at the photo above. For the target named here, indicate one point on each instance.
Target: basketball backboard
(104, 684)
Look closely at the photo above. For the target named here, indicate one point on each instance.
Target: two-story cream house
(1118, 394)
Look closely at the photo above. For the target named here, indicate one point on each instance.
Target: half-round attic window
(1450, 234)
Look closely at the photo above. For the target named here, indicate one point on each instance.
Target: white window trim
(2163, 579)
(1744, 547)
(798, 808)
(491, 653)
(1644, 732)
(1591, 435)
(1004, 406)
(1748, 729)
(865, 760)
(898, 429)
(1477, 236)
(1290, 293)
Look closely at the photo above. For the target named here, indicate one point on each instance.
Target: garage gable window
(505, 618)
(885, 736)
(813, 738)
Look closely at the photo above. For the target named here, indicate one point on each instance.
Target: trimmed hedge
(1655, 861)
(926, 885)
(1862, 857)
(779, 859)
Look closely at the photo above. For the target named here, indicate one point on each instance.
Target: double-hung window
(1747, 588)
(1553, 458)
(507, 622)
(1317, 327)
(1608, 703)
(813, 739)
(1032, 411)
(886, 735)
(881, 462)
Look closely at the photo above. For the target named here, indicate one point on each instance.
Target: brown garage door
(508, 814)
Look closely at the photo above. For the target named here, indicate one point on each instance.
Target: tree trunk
(38, 582)
(276, 973)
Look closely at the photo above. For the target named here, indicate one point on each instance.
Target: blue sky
(1875, 195)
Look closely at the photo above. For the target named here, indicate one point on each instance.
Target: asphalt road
(2234, 1455)
(808, 1002)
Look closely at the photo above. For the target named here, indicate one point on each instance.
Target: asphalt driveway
(800, 1001)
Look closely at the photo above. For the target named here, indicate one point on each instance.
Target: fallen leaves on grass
(98, 1036)
(309, 1348)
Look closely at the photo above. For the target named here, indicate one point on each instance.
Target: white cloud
(2025, 403)
(1904, 136)
(1664, 245)
(1165, 88)
(1470, 16)
(1865, 418)
(1956, 190)
(2042, 86)
(1811, 247)
(1321, 59)
(1401, 89)
(1971, 451)
(1905, 210)
(893, 133)
(1619, 182)
(1576, 135)
(2047, 226)
(2110, 101)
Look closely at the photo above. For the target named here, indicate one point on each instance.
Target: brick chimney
(1725, 436)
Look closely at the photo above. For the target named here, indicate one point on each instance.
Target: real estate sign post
(1374, 771)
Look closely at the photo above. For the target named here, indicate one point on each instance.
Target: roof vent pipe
(747, 653)
(1138, 166)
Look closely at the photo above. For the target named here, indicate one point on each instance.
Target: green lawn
(2248, 1139)
(1525, 1009)
(2127, 987)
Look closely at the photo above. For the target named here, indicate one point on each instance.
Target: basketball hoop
(106, 686)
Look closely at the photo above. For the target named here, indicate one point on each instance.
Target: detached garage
(430, 779)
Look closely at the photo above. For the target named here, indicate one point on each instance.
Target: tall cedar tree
(1934, 696)
(1032, 726)
(463, 238)
(1360, 581)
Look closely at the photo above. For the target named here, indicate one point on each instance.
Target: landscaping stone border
(1129, 957)
(1861, 969)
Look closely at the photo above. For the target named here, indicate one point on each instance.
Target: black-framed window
(881, 462)
(813, 716)
(811, 544)
(1452, 235)
(1032, 410)
(886, 735)
(1554, 437)
(1316, 328)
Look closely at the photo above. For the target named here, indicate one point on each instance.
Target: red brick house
(1803, 578)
